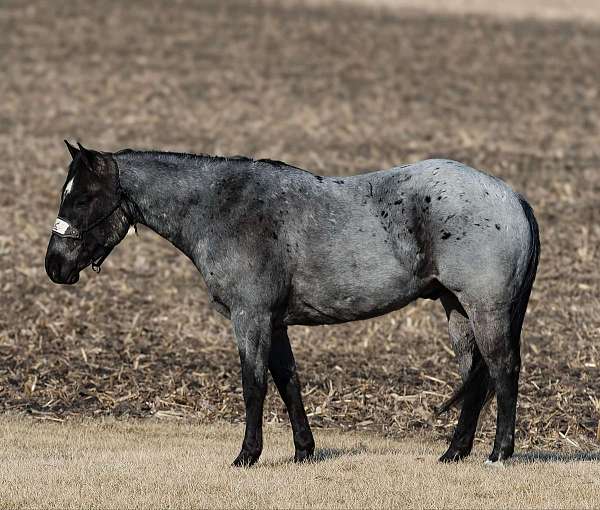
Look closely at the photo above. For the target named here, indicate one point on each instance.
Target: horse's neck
(160, 194)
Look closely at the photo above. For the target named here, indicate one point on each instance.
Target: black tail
(479, 375)
(520, 305)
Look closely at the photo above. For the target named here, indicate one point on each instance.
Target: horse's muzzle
(59, 267)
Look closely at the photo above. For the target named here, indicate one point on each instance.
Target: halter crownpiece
(64, 229)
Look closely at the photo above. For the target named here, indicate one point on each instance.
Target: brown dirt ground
(338, 90)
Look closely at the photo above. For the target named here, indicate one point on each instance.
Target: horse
(277, 246)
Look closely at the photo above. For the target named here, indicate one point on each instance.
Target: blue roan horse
(278, 245)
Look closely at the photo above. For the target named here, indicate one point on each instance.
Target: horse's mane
(171, 157)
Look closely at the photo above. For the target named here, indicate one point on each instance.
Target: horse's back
(354, 247)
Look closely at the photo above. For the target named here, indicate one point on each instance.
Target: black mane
(170, 156)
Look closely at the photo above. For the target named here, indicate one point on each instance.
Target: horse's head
(92, 217)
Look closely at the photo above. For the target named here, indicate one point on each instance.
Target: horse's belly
(347, 292)
(351, 267)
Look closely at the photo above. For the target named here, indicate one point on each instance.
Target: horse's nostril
(60, 269)
(53, 273)
(49, 268)
(54, 268)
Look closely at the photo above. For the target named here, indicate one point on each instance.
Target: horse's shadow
(328, 454)
(321, 455)
(546, 456)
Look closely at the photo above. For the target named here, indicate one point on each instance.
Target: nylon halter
(65, 229)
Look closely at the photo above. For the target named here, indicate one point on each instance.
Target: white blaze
(68, 188)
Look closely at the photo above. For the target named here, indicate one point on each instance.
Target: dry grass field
(110, 464)
(335, 88)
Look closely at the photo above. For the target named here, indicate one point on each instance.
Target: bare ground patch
(336, 90)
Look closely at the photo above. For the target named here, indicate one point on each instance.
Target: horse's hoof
(453, 456)
(245, 459)
(497, 457)
(304, 455)
(498, 464)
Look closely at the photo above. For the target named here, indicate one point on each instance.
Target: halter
(63, 228)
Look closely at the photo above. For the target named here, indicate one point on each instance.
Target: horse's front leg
(253, 334)
(283, 370)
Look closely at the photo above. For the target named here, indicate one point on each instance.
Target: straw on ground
(150, 464)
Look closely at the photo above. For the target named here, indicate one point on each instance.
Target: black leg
(500, 350)
(464, 434)
(470, 365)
(506, 380)
(253, 335)
(283, 370)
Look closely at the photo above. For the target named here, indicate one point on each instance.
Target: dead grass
(113, 464)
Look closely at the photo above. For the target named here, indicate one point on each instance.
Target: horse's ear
(87, 156)
(73, 151)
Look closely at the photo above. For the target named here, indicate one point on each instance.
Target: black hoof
(304, 455)
(499, 456)
(453, 455)
(245, 459)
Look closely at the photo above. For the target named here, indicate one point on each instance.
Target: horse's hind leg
(472, 367)
(283, 370)
(497, 337)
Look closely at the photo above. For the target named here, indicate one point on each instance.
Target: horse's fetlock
(308, 446)
(303, 455)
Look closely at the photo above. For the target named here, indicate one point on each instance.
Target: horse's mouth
(73, 278)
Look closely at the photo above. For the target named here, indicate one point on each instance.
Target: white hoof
(498, 464)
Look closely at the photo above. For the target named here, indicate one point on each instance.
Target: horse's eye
(80, 204)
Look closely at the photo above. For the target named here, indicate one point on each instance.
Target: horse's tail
(479, 375)
(519, 306)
